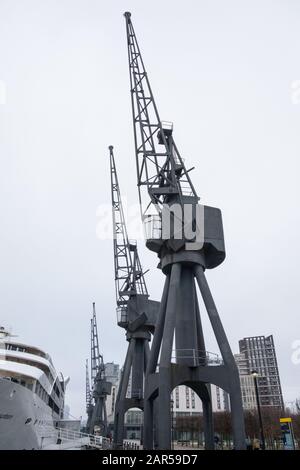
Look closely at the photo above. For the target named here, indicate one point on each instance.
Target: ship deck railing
(70, 439)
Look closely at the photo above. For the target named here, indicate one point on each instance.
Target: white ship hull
(26, 421)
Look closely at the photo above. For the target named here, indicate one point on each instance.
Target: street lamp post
(254, 374)
(172, 424)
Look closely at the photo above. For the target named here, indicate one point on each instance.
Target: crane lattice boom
(88, 394)
(129, 277)
(160, 168)
(97, 365)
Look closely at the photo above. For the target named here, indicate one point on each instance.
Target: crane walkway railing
(194, 358)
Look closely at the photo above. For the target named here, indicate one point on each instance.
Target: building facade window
(187, 397)
(177, 397)
(193, 399)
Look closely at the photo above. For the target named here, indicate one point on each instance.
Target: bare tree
(222, 427)
(188, 427)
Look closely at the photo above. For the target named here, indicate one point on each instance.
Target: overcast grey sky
(226, 74)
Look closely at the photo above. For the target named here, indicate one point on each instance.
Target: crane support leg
(237, 414)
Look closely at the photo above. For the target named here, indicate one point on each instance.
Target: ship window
(56, 389)
(40, 366)
(14, 347)
(53, 405)
(41, 392)
(28, 349)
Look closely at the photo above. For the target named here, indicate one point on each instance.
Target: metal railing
(186, 189)
(122, 314)
(196, 357)
(167, 126)
(65, 437)
(127, 445)
(153, 227)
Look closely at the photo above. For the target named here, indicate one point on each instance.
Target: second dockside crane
(136, 313)
(96, 397)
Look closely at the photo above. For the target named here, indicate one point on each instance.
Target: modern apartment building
(186, 402)
(257, 353)
(112, 374)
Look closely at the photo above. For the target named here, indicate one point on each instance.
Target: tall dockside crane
(136, 313)
(100, 386)
(88, 397)
(188, 239)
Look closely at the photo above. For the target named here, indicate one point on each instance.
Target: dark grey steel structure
(163, 177)
(88, 397)
(100, 386)
(136, 313)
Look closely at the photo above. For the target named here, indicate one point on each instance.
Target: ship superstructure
(31, 395)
